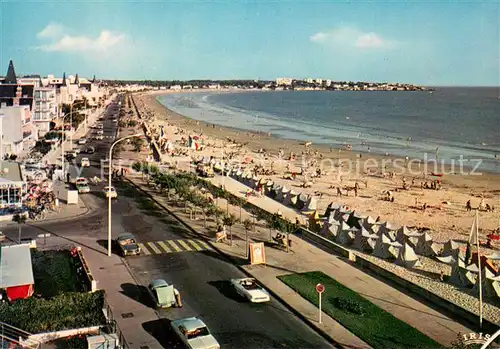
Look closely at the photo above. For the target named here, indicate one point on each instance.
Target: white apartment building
(17, 132)
(45, 108)
(284, 81)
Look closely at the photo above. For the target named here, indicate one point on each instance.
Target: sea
(452, 125)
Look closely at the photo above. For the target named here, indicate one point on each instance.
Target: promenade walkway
(306, 257)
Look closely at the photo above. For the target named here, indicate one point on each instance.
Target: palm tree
(20, 219)
(248, 224)
(229, 221)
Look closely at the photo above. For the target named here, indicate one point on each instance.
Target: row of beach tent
(348, 227)
(289, 197)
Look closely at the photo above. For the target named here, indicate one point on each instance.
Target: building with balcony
(17, 133)
(45, 108)
(12, 93)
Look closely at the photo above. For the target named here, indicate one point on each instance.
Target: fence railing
(112, 326)
(14, 335)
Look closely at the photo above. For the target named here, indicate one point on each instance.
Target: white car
(82, 141)
(248, 288)
(81, 181)
(194, 333)
(110, 192)
(85, 162)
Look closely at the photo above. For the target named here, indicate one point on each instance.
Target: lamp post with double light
(108, 192)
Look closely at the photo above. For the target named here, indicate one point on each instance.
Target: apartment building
(284, 81)
(45, 108)
(17, 132)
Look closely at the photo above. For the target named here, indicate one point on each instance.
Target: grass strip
(375, 326)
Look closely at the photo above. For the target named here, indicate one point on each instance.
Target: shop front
(11, 194)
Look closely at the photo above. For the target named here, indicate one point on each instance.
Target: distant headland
(279, 84)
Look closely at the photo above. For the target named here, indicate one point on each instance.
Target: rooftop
(15, 266)
(10, 172)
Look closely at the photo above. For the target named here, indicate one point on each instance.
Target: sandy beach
(378, 178)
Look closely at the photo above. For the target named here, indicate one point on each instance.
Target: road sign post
(320, 289)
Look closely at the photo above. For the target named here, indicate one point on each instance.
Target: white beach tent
(356, 219)
(269, 186)
(275, 190)
(311, 204)
(451, 248)
(344, 218)
(364, 241)
(385, 248)
(278, 193)
(346, 235)
(291, 198)
(426, 246)
(331, 207)
(406, 235)
(330, 230)
(490, 285)
(301, 201)
(460, 276)
(282, 194)
(408, 258)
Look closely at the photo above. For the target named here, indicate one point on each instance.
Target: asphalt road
(202, 277)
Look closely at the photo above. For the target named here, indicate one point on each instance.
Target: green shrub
(65, 311)
(348, 305)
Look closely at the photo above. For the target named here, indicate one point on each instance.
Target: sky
(431, 43)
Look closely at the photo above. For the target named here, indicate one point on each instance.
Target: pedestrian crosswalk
(173, 246)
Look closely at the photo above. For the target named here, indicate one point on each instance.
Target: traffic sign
(320, 289)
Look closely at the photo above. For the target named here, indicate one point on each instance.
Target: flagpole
(480, 274)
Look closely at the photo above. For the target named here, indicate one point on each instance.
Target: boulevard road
(173, 253)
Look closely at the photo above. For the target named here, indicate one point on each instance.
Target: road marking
(144, 249)
(165, 247)
(174, 246)
(195, 245)
(203, 244)
(154, 248)
(183, 244)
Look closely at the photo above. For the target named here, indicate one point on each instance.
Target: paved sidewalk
(306, 257)
(111, 273)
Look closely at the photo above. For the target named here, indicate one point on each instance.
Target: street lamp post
(109, 185)
(63, 136)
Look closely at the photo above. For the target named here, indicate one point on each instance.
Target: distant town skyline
(432, 44)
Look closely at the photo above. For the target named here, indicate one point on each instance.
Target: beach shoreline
(446, 214)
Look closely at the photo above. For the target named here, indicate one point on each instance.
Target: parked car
(81, 180)
(85, 162)
(99, 137)
(110, 192)
(82, 188)
(90, 150)
(248, 288)
(128, 245)
(70, 155)
(194, 333)
(100, 132)
(162, 293)
(82, 141)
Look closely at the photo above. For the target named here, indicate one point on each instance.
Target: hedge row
(65, 311)
(54, 273)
